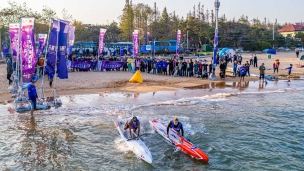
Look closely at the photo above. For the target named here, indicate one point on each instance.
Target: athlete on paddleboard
(175, 125)
(133, 124)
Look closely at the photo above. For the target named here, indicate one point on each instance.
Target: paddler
(175, 125)
(133, 124)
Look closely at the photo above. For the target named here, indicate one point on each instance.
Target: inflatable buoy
(137, 78)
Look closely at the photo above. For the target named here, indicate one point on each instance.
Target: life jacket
(243, 71)
(178, 126)
(41, 62)
(134, 126)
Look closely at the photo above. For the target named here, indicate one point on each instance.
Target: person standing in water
(176, 126)
(32, 95)
(262, 71)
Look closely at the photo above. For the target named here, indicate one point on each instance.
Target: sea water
(240, 127)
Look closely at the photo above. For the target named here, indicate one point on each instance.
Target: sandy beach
(100, 82)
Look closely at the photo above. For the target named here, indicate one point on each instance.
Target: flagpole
(20, 54)
(56, 62)
(44, 60)
(217, 6)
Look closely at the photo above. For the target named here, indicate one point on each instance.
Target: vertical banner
(14, 33)
(28, 49)
(52, 49)
(71, 39)
(42, 42)
(101, 43)
(135, 43)
(179, 35)
(215, 47)
(62, 50)
(148, 38)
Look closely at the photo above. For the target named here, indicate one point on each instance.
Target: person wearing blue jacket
(159, 66)
(32, 95)
(289, 69)
(164, 67)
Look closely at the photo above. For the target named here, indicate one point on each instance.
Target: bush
(257, 46)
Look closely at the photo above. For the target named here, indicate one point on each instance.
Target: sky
(104, 11)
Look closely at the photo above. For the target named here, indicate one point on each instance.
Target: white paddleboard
(137, 145)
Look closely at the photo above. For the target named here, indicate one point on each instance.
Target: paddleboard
(179, 141)
(137, 145)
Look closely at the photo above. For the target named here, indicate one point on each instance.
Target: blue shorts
(33, 104)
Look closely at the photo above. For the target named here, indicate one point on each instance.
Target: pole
(154, 48)
(47, 49)
(187, 41)
(273, 36)
(56, 61)
(20, 54)
(216, 6)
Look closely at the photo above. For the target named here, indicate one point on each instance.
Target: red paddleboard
(179, 141)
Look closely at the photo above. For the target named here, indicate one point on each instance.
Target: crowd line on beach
(195, 67)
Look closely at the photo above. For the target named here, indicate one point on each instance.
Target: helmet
(134, 119)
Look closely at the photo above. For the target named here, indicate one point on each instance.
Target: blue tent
(270, 51)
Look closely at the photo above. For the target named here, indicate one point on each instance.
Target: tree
(300, 36)
(126, 22)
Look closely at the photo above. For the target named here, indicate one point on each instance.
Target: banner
(14, 34)
(111, 65)
(62, 50)
(42, 41)
(215, 47)
(52, 49)
(179, 35)
(101, 43)
(148, 38)
(28, 49)
(135, 43)
(86, 65)
(71, 39)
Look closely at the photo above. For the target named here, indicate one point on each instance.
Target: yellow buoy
(137, 78)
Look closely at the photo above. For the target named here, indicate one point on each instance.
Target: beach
(99, 82)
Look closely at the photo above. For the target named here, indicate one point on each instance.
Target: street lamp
(1, 24)
(216, 6)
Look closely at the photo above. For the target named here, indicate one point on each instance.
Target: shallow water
(247, 127)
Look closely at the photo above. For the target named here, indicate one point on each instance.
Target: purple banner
(86, 65)
(28, 49)
(135, 43)
(101, 42)
(14, 34)
(71, 39)
(42, 41)
(215, 47)
(62, 50)
(52, 49)
(111, 65)
(148, 38)
(179, 35)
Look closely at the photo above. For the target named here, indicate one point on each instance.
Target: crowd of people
(164, 66)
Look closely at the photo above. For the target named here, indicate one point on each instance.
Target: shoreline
(125, 86)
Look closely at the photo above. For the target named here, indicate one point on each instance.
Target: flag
(62, 50)
(52, 49)
(28, 49)
(179, 35)
(215, 47)
(42, 41)
(135, 43)
(14, 36)
(148, 37)
(71, 39)
(101, 43)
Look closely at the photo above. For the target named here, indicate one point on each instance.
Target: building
(292, 30)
